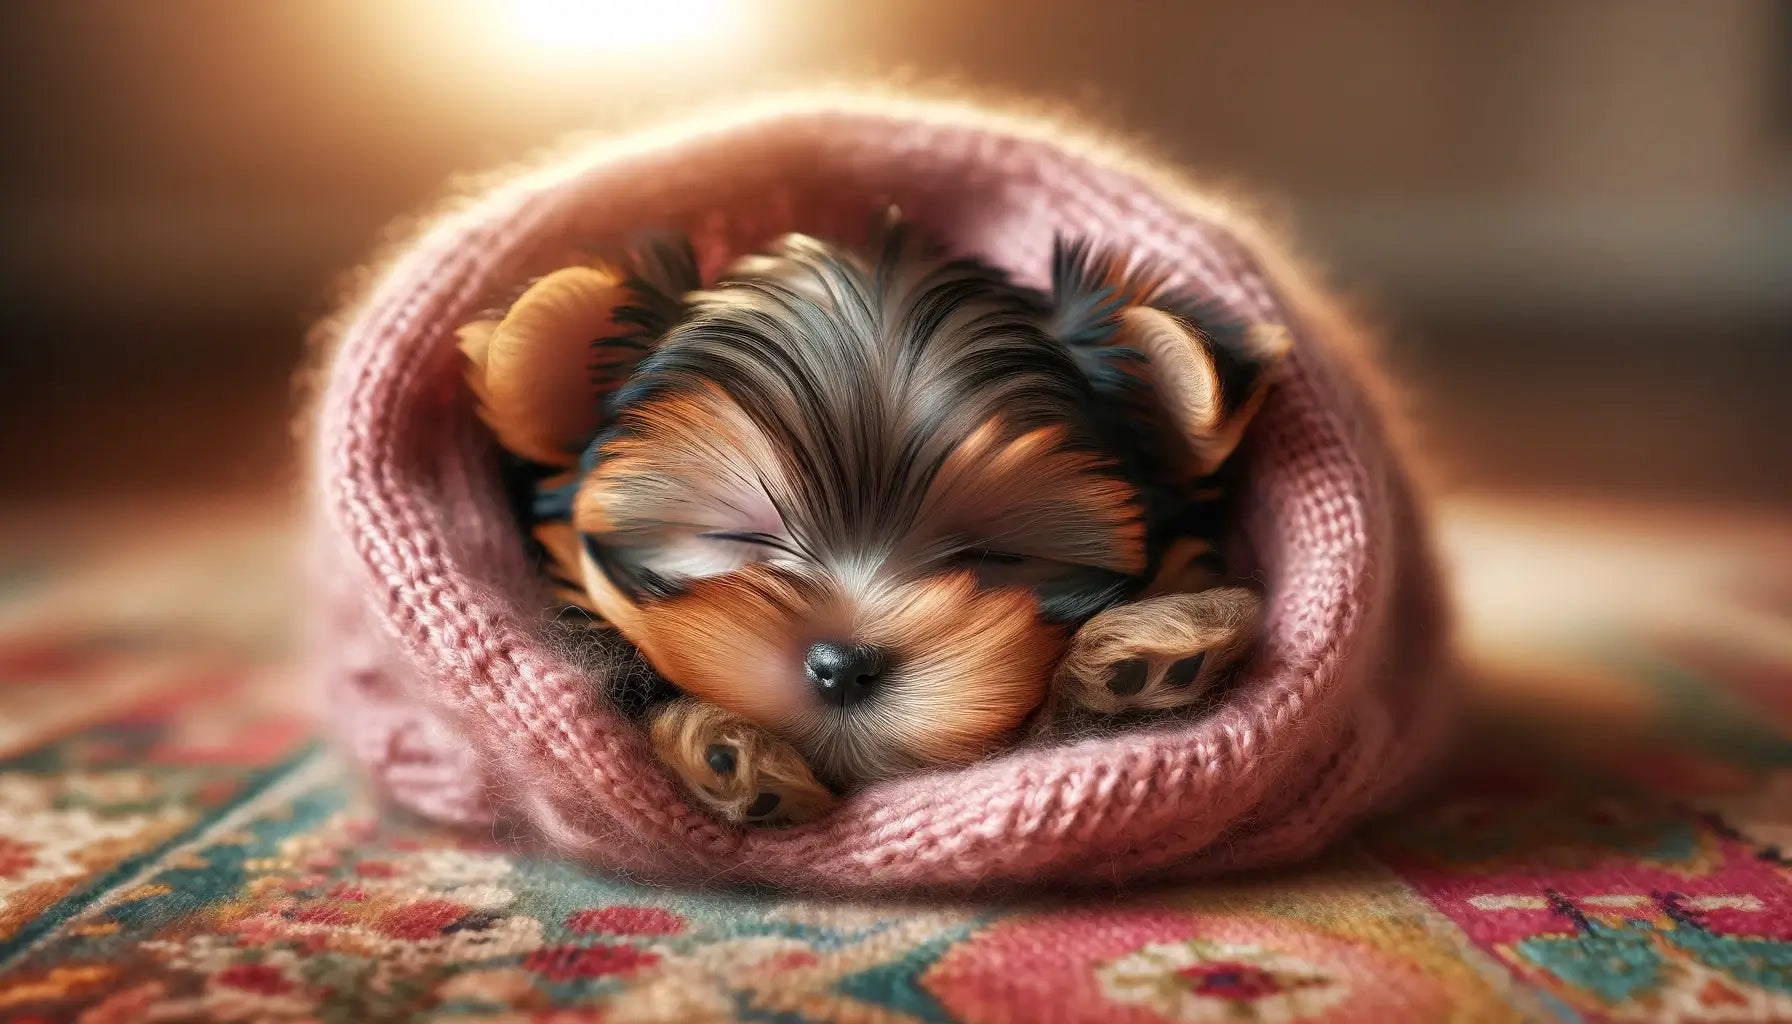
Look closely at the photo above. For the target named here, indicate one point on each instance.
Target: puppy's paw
(1161, 652)
(740, 771)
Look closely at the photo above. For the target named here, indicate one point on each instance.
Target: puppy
(869, 512)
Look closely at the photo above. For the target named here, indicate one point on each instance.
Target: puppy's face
(862, 504)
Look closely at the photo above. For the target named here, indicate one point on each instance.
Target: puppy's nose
(843, 674)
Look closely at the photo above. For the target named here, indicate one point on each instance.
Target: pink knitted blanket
(442, 681)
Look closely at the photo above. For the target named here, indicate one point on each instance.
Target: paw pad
(743, 773)
(763, 805)
(1182, 673)
(1129, 677)
(721, 759)
(1159, 653)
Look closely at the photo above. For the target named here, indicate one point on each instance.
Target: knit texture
(442, 681)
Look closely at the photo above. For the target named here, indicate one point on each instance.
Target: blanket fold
(444, 684)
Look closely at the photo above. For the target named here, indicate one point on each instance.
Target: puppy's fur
(996, 503)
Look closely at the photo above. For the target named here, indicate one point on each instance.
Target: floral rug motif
(1616, 845)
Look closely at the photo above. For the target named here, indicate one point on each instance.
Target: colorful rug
(1614, 845)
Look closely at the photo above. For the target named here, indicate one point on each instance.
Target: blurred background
(1573, 219)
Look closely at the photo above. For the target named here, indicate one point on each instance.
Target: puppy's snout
(843, 674)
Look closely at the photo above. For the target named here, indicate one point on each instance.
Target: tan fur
(533, 371)
(687, 450)
(970, 668)
(683, 732)
(1030, 495)
(981, 659)
(1163, 630)
(1180, 368)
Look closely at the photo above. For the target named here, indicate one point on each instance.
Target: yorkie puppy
(868, 513)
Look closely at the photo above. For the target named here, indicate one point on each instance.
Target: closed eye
(759, 540)
(673, 559)
(971, 558)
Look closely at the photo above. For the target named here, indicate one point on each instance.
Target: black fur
(873, 373)
(873, 370)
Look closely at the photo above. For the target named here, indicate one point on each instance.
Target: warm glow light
(619, 25)
(561, 63)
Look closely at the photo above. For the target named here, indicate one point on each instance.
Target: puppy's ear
(533, 372)
(543, 370)
(1208, 381)
(1199, 371)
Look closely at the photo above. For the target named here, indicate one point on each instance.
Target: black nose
(843, 674)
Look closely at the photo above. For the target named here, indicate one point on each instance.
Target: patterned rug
(1615, 843)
